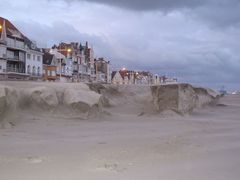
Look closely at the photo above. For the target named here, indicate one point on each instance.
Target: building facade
(34, 64)
(125, 76)
(102, 70)
(64, 65)
(79, 59)
(14, 47)
(49, 67)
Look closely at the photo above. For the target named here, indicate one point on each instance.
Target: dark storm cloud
(151, 4)
(222, 13)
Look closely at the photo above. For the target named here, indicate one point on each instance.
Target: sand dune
(89, 99)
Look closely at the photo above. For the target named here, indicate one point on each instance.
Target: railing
(15, 70)
(15, 45)
(14, 58)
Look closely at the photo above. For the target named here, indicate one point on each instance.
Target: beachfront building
(14, 47)
(64, 65)
(102, 70)
(34, 63)
(79, 59)
(49, 67)
(125, 76)
(117, 78)
(163, 80)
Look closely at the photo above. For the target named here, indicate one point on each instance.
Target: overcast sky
(197, 41)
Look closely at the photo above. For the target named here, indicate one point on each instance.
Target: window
(38, 71)
(34, 70)
(49, 73)
(29, 69)
(34, 56)
(53, 73)
(38, 58)
(0, 67)
(28, 56)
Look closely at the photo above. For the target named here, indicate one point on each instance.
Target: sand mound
(179, 98)
(205, 97)
(80, 100)
(43, 97)
(50, 98)
(76, 99)
(182, 98)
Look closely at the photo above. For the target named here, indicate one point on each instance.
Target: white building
(34, 64)
(14, 47)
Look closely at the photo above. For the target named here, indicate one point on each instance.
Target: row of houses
(125, 76)
(21, 59)
(74, 62)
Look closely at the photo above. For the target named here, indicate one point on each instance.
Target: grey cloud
(223, 13)
(150, 4)
(47, 36)
(220, 13)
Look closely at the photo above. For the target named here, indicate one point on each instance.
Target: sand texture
(76, 131)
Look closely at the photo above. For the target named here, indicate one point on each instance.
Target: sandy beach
(123, 144)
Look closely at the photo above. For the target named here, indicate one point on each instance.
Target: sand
(122, 142)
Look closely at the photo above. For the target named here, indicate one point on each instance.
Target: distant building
(79, 59)
(131, 77)
(16, 52)
(64, 65)
(117, 78)
(102, 70)
(49, 67)
(163, 80)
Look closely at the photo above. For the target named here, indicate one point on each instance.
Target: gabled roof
(12, 31)
(120, 72)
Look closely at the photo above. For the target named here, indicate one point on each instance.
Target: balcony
(15, 58)
(15, 45)
(14, 70)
